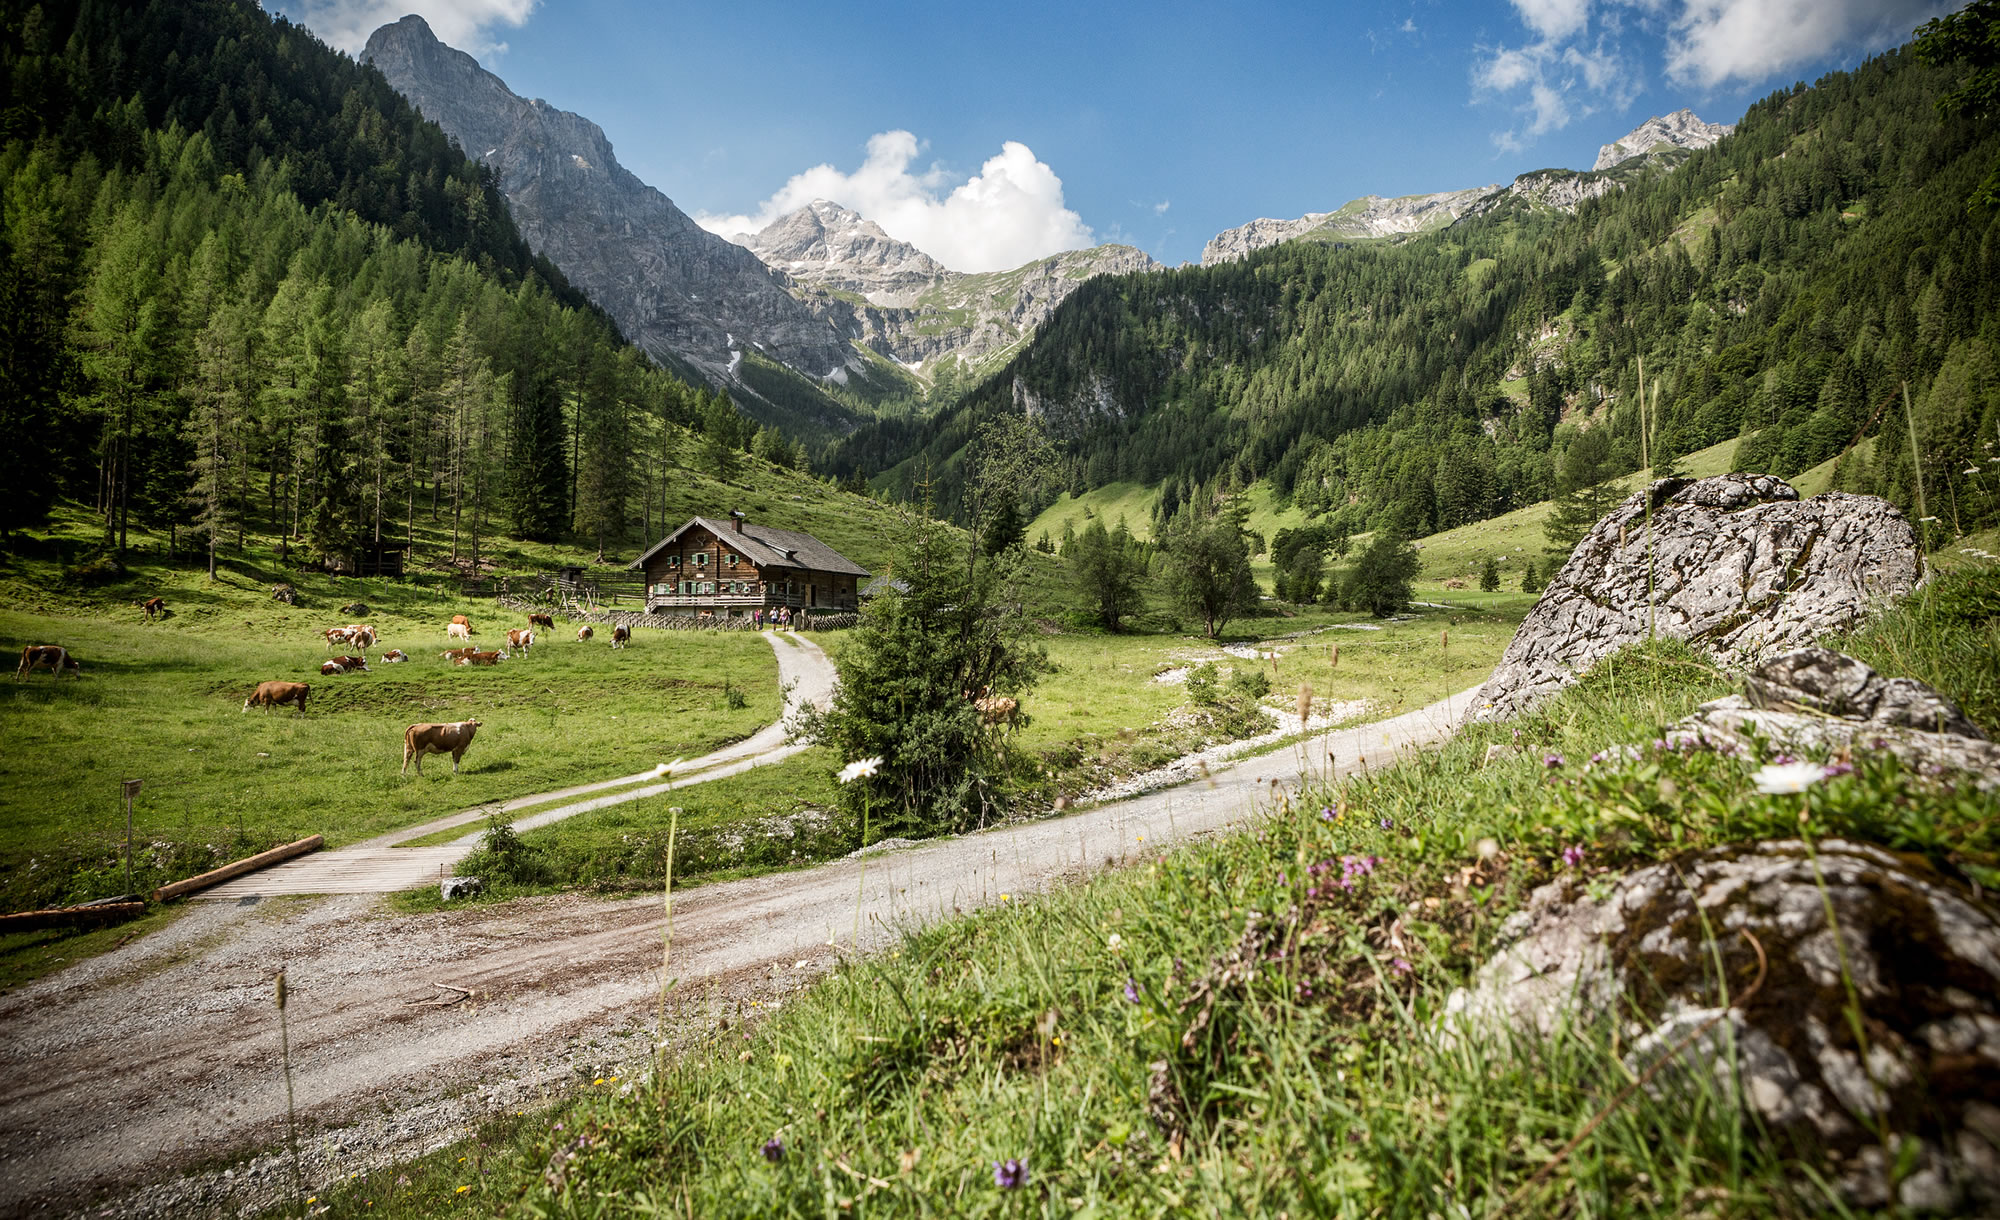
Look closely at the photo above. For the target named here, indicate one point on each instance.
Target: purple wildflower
(1284, 879)
(1388, 824)
(1552, 760)
(774, 1150)
(1326, 815)
(1573, 855)
(1839, 767)
(1010, 1174)
(1782, 760)
(1131, 990)
(1399, 965)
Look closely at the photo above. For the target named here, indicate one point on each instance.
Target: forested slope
(243, 285)
(1781, 285)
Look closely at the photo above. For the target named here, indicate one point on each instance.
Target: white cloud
(1009, 213)
(1160, 208)
(1554, 19)
(1716, 41)
(465, 24)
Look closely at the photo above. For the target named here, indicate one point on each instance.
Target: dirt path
(126, 1068)
(378, 866)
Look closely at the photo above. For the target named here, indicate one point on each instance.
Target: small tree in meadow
(1489, 576)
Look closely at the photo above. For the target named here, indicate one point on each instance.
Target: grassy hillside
(1109, 1037)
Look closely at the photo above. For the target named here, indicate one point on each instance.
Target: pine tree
(1489, 575)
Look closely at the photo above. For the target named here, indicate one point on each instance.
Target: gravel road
(123, 1070)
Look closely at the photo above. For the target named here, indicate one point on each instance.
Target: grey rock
(677, 290)
(453, 888)
(1816, 701)
(285, 593)
(1738, 565)
(1917, 950)
(1366, 217)
(1681, 129)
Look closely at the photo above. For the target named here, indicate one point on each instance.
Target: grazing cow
(276, 694)
(584, 633)
(543, 621)
(462, 621)
(394, 655)
(338, 635)
(152, 606)
(422, 739)
(621, 635)
(996, 711)
(458, 631)
(361, 635)
(351, 664)
(523, 640)
(459, 654)
(52, 657)
(483, 658)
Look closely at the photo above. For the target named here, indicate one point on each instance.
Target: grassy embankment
(1075, 1031)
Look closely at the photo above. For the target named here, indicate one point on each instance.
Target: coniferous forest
(244, 285)
(1781, 287)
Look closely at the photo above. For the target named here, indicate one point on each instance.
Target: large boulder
(1884, 1017)
(1816, 701)
(1738, 565)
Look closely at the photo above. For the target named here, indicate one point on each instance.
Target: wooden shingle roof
(766, 547)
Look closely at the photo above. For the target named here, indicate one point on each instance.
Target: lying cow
(483, 658)
(344, 665)
(394, 655)
(458, 631)
(52, 657)
(523, 640)
(584, 633)
(621, 635)
(276, 694)
(543, 621)
(458, 654)
(152, 606)
(422, 739)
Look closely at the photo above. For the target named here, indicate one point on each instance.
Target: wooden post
(131, 790)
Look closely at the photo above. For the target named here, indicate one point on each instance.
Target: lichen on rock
(1737, 565)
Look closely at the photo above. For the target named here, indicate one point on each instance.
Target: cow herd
(418, 739)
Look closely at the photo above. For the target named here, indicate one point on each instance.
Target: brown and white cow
(347, 664)
(621, 635)
(422, 739)
(457, 631)
(152, 606)
(543, 621)
(362, 635)
(523, 640)
(338, 635)
(483, 658)
(276, 694)
(584, 633)
(462, 621)
(997, 711)
(456, 654)
(394, 655)
(52, 657)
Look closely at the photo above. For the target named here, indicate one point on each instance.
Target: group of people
(780, 617)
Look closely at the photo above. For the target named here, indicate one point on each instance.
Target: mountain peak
(1681, 129)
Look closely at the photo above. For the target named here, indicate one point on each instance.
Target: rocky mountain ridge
(901, 303)
(677, 290)
(1661, 141)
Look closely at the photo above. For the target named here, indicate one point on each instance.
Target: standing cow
(457, 631)
(543, 621)
(584, 633)
(422, 739)
(621, 635)
(152, 606)
(523, 640)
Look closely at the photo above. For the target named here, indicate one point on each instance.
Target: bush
(1249, 681)
(1203, 684)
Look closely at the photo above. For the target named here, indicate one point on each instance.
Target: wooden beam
(248, 864)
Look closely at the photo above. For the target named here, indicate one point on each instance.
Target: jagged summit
(676, 289)
(829, 246)
(1681, 129)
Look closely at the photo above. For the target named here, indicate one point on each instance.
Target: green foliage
(908, 678)
(1299, 557)
(1204, 684)
(1206, 563)
(1379, 581)
(503, 861)
(1489, 575)
(1531, 578)
(1968, 39)
(1779, 286)
(1583, 492)
(1106, 565)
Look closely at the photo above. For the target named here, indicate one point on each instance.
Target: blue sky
(989, 135)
